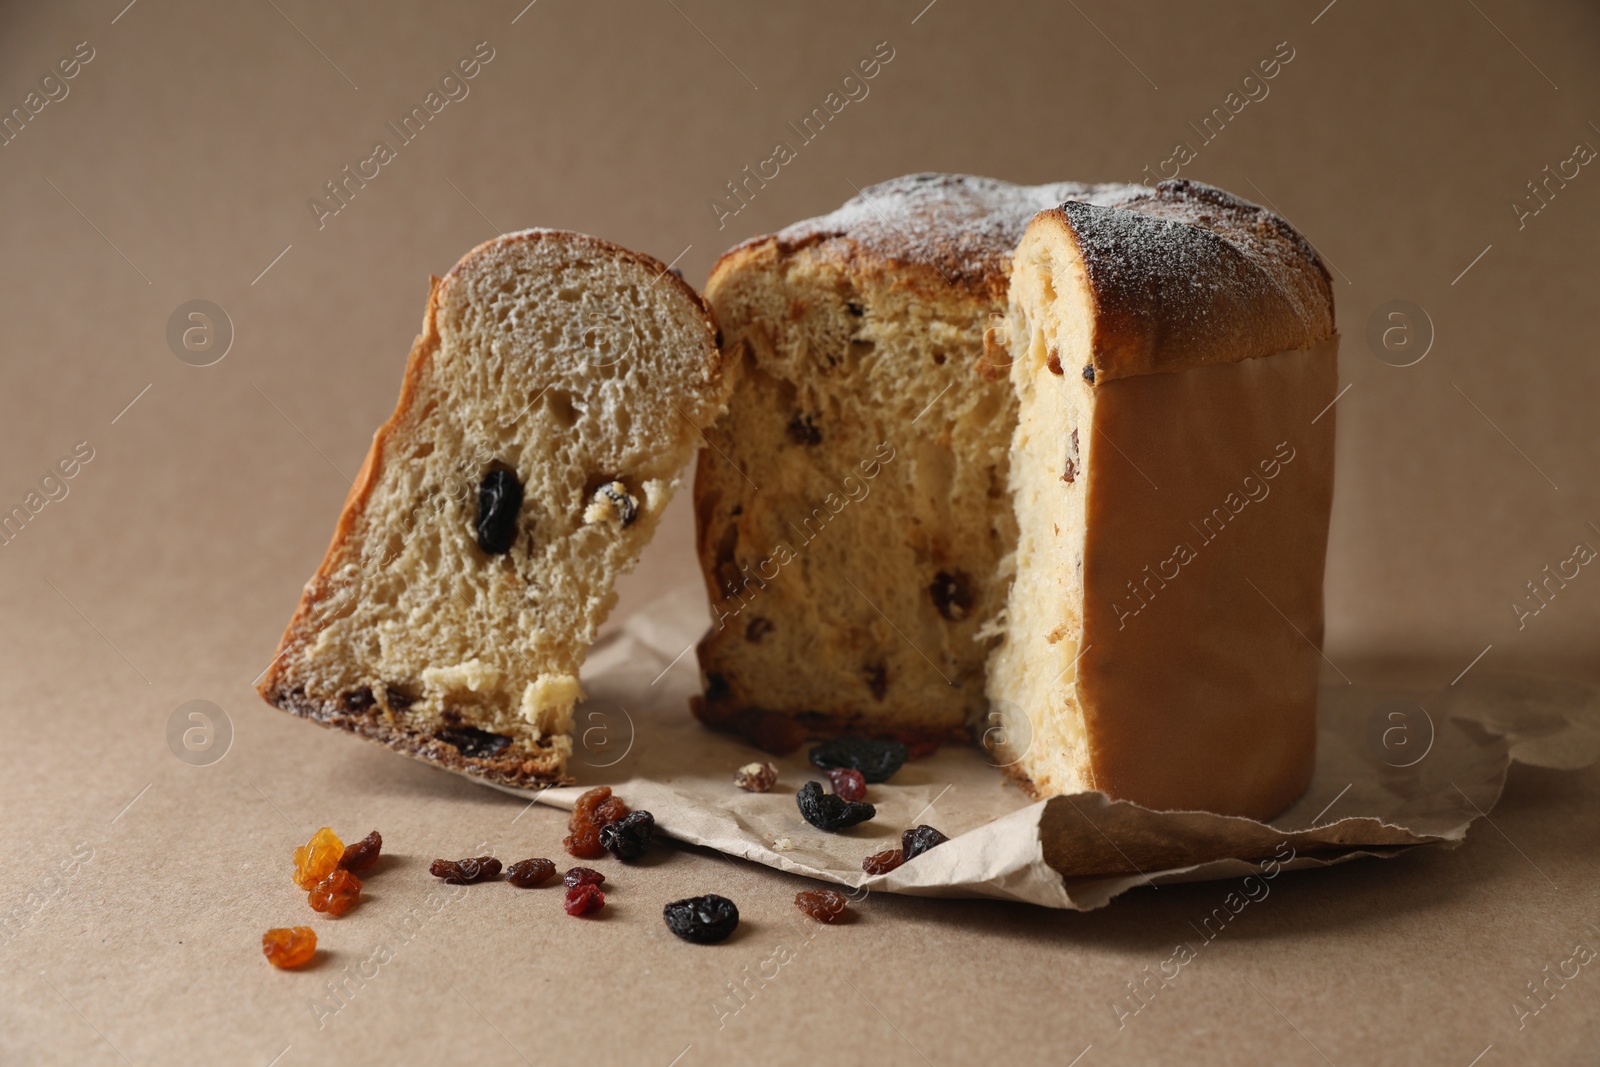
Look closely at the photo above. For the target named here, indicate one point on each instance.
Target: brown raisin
(848, 783)
(525, 874)
(1054, 362)
(584, 899)
(883, 862)
(582, 876)
(756, 629)
(1070, 474)
(317, 858)
(803, 430)
(755, 777)
(336, 894)
(362, 854)
(823, 905)
(593, 810)
(877, 676)
(952, 594)
(289, 946)
(465, 872)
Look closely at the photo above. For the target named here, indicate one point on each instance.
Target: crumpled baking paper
(1395, 770)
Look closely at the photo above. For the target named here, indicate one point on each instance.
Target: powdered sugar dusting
(965, 227)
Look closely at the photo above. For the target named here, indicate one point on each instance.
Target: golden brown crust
(1185, 275)
(521, 765)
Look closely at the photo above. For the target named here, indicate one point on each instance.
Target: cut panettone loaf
(548, 407)
(1132, 477)
(854, 519)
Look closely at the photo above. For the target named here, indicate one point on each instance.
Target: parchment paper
(1395, 770)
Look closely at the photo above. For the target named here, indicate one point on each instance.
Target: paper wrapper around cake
(1161, 357)
(582, 371)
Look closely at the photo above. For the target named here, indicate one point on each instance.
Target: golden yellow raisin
(289, 946)
(336, 894)
(317, 858)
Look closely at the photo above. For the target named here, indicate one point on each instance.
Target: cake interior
(854, 508)
(1036, 725)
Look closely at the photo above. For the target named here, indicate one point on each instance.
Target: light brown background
(180, 165)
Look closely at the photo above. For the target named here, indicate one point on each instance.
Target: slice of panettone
(548, 408)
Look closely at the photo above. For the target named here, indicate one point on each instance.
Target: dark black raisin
(359, 699)
(499, 501)
(703, 920)
(473, 742)
(917, 841)
(626, 506)
(398, 699)
(803, 431)
(629, 836)
(1088, 373)
(952, 594)
(876, 760)
(830, 812)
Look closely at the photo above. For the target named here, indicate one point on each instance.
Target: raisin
(629, 837)
(883, 862)
(289, 946)
(336, 894)
(317, 858)
(592, 811)
(583, 899)
(803, 431)
(362, 854)
(757, 629)
(499, 501)
(823, 905)
(877, 676)
(615, 498)
(465, 872)
(1088, 373)
(1054, 363)
(828, 812)
(755, 777)
(582, 876)
(359, 699)
(876, 760)
(703, 920)
(525, 874)
(848, 783)
(919, 840)
(854, 308)
(952, 594)
(1070, 474)
(474, 743)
